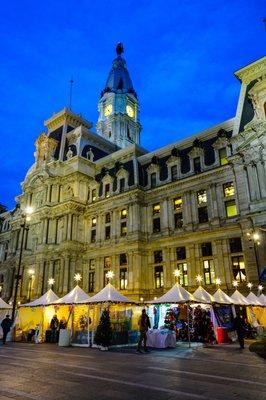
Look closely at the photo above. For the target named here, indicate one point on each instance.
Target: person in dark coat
(144, 325)
(240, 330)
(54, 326)
(6, 326)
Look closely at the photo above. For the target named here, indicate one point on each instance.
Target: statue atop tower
(118, 105)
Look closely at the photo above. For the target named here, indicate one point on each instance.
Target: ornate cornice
(252, 71)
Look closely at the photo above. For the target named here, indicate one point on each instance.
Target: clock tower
(118, 106)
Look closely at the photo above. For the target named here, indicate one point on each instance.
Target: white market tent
(4, 305)
(254, 300)
(239, 299)
(47, 298)
(109, 294)
(221, 297)
(177, 294)
(202, 296)
(75, 296)
(262, 299)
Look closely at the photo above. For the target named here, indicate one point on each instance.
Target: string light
(260, 287)
(77, 277)
(249, 285)
(176, 273)
(235, 284)
(141, 299)
(199, 279)
(218, 281)
(110, 274)
(31, 272)
(51, 281)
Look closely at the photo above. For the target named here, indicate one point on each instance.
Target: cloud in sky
(181, 56)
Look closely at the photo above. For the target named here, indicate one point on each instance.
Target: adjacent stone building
(101, 202)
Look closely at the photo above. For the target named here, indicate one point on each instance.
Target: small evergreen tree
(103, 335)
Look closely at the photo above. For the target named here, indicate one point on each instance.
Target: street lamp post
(31, 273)
(26, 218)
(254, 237)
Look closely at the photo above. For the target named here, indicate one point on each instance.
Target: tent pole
(188, 331)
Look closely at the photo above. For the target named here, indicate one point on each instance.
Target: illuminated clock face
(108, 109)
(130, 111)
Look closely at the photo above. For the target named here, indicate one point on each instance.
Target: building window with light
(91, 276)
(107, 267)
(174, 173)
(209, 272)
(156, 209)
(239, 270)
(223, 156)
(183, 275)
(228, 189)
(123, 223)
(230, 208)
(153, 180)
(181, 253)
(158, 276)
(93, 229)
(107, 226)
(202, 206)
(178, 215)
(123, 278)
(202, 197)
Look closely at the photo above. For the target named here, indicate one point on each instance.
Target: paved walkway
(47, 372)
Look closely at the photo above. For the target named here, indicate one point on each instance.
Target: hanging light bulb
(199, 279)
(110, 274)
(218, 281)
(51, 281)
(249, 285)
(260, 287)
(176, 273)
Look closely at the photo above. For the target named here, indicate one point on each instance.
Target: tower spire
(119, 49)
(70, 91)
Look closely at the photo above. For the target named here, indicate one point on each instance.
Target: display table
(161, 339)
(64, 338)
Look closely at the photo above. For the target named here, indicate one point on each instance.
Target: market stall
(123, 316)
(256, 313)
(4, 310)
(33, 317)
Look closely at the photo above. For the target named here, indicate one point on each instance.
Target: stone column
(66, 274)
(44, 230)
(261, 178)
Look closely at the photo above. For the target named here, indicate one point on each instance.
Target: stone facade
(103, 204)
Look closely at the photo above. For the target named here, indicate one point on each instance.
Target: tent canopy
(239, 299)
(262, 299)
(109, 294)
(46, 299)
(4, 305)
(221, 297)
(254, 300)
(177, 294)
(202, 296)
(76, 296)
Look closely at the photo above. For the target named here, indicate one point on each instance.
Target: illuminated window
(230, 208)
(174, 173)
(229, 189)
(178, 220)
(223, 156)
(203, 214)
(123, 278)
(183, 277)
(235, 245)
(158, 256)
(206, 249)
(156, 208)
(238, 266)
(107, 262)
(153, 179)
(93, 221)
(181, 253)
(93, 195)
(178, 203)
(156, 225)
(202, 197)
(123, 213)
(158, 276)
(209, 273)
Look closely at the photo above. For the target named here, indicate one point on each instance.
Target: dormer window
(122, 184)
(153, 180)
(174, 175)
(107, 190)
(197, 165)
(223, 156)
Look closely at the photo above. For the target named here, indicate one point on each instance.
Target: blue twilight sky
(181, 56)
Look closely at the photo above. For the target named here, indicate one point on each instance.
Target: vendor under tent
(5, 309)
(202, 296)
(238, 299)
(256, 313)
(123, 317)
(34, 315)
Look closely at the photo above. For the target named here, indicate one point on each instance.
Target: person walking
(144, 325)
(240, 330)
(6, 326)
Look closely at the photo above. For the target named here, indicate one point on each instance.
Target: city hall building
(102, 202)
